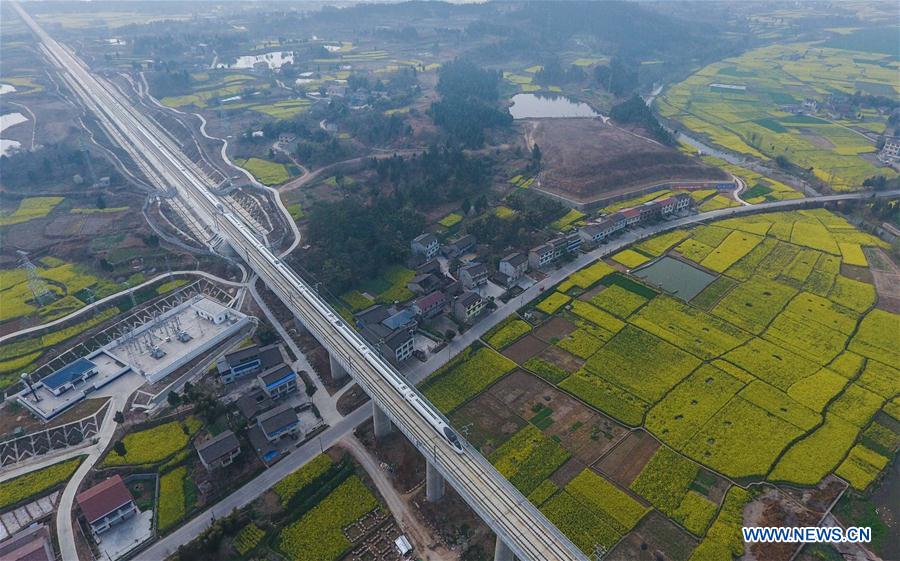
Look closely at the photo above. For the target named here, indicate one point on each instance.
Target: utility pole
(36, 284)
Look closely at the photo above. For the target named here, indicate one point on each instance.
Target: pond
(535, 106)
(8, 120)
(273, 60)
(675, 277)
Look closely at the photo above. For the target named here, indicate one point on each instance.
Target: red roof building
(106, 504)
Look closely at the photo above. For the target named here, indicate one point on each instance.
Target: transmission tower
(36, 284)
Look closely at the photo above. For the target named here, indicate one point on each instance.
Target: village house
(106, 504)
(219, 451)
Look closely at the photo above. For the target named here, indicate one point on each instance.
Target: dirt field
(584, 433)
(627, 459)
(524, 348)
(556, 328)
(656, 538)
(486, 422)
(585, 160)
(406, 466)
(886, 275)
(564, 359)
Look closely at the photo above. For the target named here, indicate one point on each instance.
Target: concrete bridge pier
(502, 552)
(434, 483)
(338, 372)
(383, 425)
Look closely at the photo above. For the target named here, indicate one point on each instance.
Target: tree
(466, 206)
(449, 334)
(119, 448)
(174, 399)
(119, 417)
(536, 157)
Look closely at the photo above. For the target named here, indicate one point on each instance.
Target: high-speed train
(292, 281)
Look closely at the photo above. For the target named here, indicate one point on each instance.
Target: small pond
(537, 106)
(675, 277)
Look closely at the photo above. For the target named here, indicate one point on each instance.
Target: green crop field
(36, 483)
(155, 444)
(318, 535)
(756, 121)
(779, 370)
(268, 173)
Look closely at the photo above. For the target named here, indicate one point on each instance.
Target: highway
(516, 521)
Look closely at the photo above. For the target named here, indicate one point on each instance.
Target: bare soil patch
(567, 472)
(405, 465)
(886, 275)
(583, 432)
(351, 400)
(655, 538)
(588, 295)
(626, 460)
(555, 328)
(486, 422)
(524, 348)
(773, 508)
(585, 160)
(564, 359)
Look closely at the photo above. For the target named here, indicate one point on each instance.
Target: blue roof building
(69, 376)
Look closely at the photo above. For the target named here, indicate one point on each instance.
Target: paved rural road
(421, 370)
(248, 493)
(65, 511)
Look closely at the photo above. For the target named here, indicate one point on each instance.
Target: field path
(423, 540)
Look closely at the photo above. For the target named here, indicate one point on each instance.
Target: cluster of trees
(314, 146)
(353, 242)
(54, 163)
(881, 183)
(374, 127)
(469, 102)
(635, 111)
(169, 82)
(533, 211)
(553, 73)
(618, 78)
(433, 177)
(208, 544)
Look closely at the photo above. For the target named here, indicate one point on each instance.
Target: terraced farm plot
(695, 512)
(813, 342)
(877, 337)
(591, 510)
(815, 236)
(753, 304)
(817, 390)
(590, 275)
(641, 363)
(597, 316)
(734, 247)
(657, 245)
(318, 535)
(630, 258)
(528, 458)
(741, 440)
(856, 405)
(861, 467)
(268, 173)
(607, 397)
(448, 389)
(505, 334)
(724, 540)
(665, 479)
(688, 328)
(771, 363)
(752, 122)
(618, 301)
(807, 461)
(553, 302)
(685, 409)
(583, 343)
(880, 378)
(154, 444)
(780, 404)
